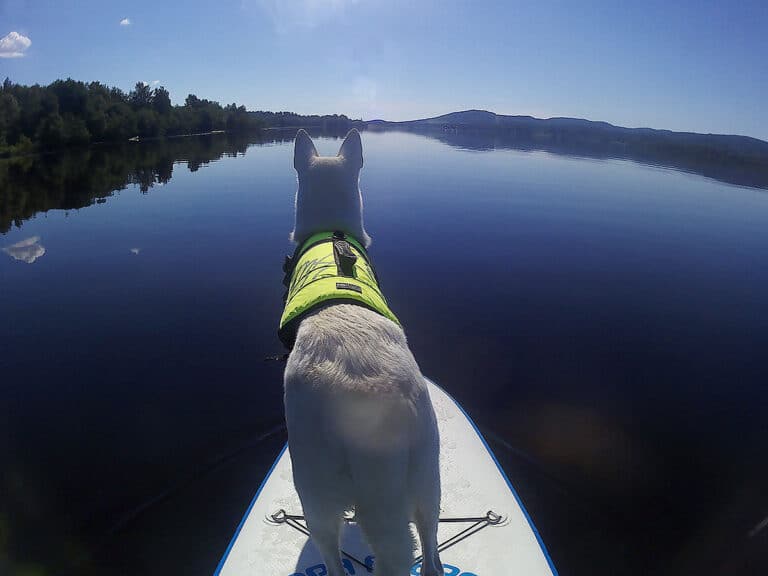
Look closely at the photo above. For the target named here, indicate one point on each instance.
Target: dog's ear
(303, 151)
(352, 149)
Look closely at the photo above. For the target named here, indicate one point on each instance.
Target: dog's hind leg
(425, 491)
(325, 529)
(381, 509)
(318, 473)
(426, 518)
(387, 531)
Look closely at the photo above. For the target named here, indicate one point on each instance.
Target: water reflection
(621, 378)
(724, 165)
(27, 250)
(79, 178)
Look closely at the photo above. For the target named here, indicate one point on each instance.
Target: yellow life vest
(328, 267)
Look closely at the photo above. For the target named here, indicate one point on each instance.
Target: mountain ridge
(485, 119)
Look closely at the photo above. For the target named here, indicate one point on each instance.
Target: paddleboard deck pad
(484, 529)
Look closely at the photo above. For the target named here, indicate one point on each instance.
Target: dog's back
(361, 427)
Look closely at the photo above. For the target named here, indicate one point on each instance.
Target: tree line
(327, 123)
(72, 113)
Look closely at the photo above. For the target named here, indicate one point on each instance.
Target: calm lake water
(604, 322)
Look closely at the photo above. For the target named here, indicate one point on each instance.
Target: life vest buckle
(345, 258)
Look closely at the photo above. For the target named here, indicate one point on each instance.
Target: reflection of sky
(625, 284)
(27, 250)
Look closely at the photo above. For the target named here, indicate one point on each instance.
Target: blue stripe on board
(247, 512)
(504, 475)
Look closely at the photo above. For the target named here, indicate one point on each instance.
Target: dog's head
(328, 197)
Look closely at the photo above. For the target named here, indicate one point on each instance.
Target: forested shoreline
(72, 113)
(69, 113)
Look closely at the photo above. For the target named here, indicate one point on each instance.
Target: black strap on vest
(343, 256)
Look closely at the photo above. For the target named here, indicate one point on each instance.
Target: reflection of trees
(735, 160)
(78, 178)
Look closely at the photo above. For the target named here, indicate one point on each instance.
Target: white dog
(361, 428)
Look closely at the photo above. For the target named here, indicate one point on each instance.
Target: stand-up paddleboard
(484, 528)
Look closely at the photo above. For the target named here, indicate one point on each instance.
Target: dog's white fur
(361, 428)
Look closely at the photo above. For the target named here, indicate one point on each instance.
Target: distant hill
(738, 160)
(559, 128)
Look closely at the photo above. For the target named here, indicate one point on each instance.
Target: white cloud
(27, 250)
(155, 82)
(14, 45)
(125, 22)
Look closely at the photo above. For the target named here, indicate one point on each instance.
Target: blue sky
(685, 65)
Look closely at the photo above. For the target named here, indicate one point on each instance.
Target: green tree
(191, 101)
(10, 112)
(161, 101)
(49, 103)
(72, 96)
(96, 113)
(69, 112)
(147, 123)
(121, 122)
(141, 96)
(50, 131)
(30, 99)
(75, 131)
